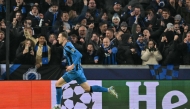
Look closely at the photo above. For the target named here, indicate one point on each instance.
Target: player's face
(60, 39)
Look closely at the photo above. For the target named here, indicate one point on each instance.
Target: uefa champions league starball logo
(74, 97)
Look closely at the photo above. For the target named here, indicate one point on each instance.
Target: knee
(87, 89)
(57, 84)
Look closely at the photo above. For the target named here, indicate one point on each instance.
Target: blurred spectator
(157, 5)
(123, 27)
(17, 21)
(89, 55)
(150, 19)
(186, 49)
(102, 29)
(74, 18)
(42, 51)
(141, 42)
(45, 6)
(136, 17)
(53, 15)
(25, 53)
(172, 6)
(117, 10)
(116, 21)
(151, 55)
(2, 48)
(2, 10)
(20, 6)
(92, 9)
(136, 29)
(169, 48)
(106, 54)
(62, 25)
(82, 35)
(67, 5)
(165, 17)
(95, 40)
(76, 43)
(110, 35)
(56, 50)
(127, 51)
(184, 11)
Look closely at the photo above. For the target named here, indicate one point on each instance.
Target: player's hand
(69, 68)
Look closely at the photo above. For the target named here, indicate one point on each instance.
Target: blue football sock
(58, 94)
(98, 89)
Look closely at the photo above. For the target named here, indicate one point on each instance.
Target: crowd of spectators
(127, 32)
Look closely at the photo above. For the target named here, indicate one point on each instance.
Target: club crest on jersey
(73, 50)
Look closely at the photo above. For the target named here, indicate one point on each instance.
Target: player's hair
(64, 34)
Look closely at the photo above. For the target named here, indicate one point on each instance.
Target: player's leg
(66, 78)
(58, 86)
(82, 81)
(96, 88)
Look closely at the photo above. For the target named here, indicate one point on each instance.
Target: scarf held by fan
(44, 53)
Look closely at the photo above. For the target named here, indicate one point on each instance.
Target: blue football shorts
(75, 75)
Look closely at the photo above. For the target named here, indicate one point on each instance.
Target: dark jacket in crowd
(88, 58)
(56, 54)
(125, 55)
(170, 50)
(2, 51)
(26, 59)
